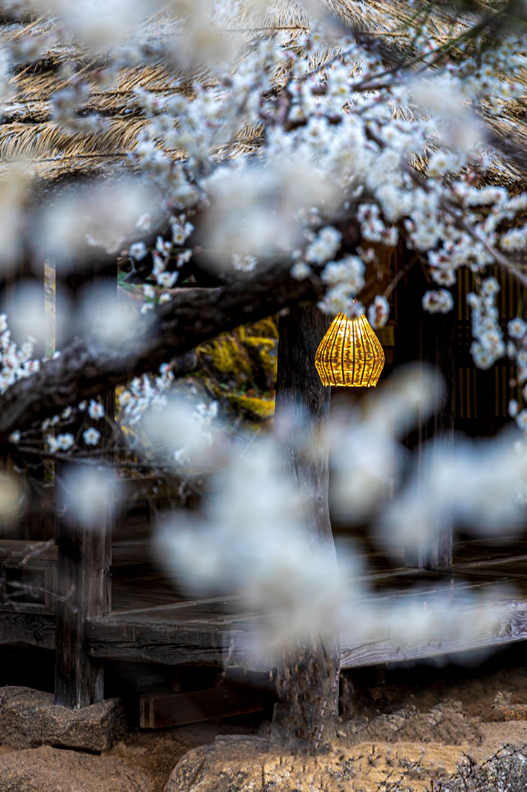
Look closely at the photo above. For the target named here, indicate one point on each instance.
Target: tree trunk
(309, 676)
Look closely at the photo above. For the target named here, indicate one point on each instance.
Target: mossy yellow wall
(239, 369)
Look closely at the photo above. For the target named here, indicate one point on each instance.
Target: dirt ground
(401, 728)
(435, 713)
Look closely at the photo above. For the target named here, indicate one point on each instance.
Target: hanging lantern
(350, 354)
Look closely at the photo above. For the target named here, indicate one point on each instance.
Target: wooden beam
(510, 627)
(186, 643)
(27, 629)
(25, 552)
(167, 643)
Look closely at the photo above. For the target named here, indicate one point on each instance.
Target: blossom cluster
(517, 352)
(15, 363)
(166, 254)
(143, 392)
(438, 301)
(341, 119)
(250, 536)
(345, 151)
(363, 141)
(488, 345)
(66, 441)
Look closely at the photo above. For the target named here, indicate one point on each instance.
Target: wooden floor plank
(207, 630)
(512, 627)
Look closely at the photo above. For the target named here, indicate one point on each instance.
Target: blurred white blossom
(91, 215)
(181, 430)
(90, 495)
(252, 541)
(111, 320)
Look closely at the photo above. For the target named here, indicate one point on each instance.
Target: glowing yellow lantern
(350, 354)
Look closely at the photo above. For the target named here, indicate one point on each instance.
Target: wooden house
(120, 612)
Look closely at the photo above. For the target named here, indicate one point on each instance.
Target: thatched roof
(28, 132)
(389, 22)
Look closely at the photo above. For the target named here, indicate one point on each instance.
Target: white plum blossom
(438, 301)
(345, 279)
(138, 251)
(91, 436)
(65, 441)
(379, 312)
(91, 494)
(181, 429)
(301, 270)
(517, 328)
(340, 299)
(15, 364)
(488, 345)
(95, 410)
(349, 270)
(181, 230)
(251, 538)
(167, 279)
(324, 246)
(143, 392)
(246, 263)
(441, 162)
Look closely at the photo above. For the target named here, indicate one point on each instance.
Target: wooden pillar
(305, 402)
(429, 339)
(437, 341)
(84, 561)
(308, 680)
(28, 272)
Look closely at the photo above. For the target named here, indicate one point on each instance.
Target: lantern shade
(350, 354)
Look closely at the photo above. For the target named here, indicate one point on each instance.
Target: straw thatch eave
(28, 132)
(388, 23)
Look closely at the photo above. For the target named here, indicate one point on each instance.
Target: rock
(51, 770)
(503, 709)
(387, 726)
(506, 772)
(444, 723)
(29, 718)
(249, 764)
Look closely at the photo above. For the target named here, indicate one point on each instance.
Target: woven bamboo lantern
(350, 354)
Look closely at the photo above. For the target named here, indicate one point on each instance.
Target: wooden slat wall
(482, 397)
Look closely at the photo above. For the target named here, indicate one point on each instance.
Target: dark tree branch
(87, 367)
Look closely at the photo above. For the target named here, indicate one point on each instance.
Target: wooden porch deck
(151, 622)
